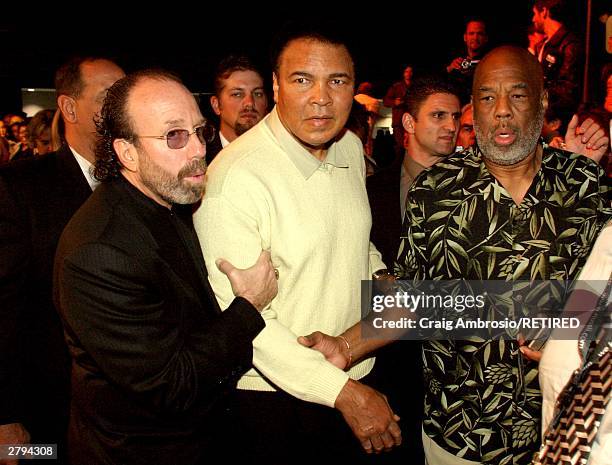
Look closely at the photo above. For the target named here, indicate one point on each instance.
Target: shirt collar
(224, 141)
(86, 168)
(538, 180)
(304, 161)
(411, 167)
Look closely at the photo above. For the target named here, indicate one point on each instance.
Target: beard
(240, 127)
(174, 190)
(538, 26)
(520, 149)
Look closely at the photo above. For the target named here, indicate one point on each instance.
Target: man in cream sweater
(294, 184)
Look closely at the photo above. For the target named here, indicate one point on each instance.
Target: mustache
(193, 168)
(512, 127)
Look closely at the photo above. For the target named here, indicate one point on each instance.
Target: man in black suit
(37, 198)
(153, 354)
(431, 122)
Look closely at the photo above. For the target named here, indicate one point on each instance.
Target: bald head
(509, 57)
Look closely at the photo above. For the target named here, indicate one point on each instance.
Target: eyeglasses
(179, 138)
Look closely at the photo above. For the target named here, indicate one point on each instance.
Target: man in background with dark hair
(561, 54)
(395, 98)
(461, 68)
(240, 100)
(37, 198)
(430, 121)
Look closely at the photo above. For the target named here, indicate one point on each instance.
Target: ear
(127, 154)
(544, 13)
(214, 103)
(275, 86)
(408, 123)
(67, 106)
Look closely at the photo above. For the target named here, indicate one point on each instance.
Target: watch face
(382, 274)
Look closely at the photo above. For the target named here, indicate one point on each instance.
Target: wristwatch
(382, 273)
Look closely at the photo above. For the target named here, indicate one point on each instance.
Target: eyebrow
(446, 112)
(244, 87)
(337, 75)
(329, 76)
(180, 121)
(520, 85)
(301, 73)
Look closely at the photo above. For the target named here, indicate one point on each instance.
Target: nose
(196, 148)
(451, 124)
(248, 101)
(502, 108)
(320, 94)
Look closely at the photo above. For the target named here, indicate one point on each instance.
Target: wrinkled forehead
(505, 66)
(154, 102)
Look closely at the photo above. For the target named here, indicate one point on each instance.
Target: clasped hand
(365, 410)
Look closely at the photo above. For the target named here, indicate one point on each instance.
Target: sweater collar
(303, 160)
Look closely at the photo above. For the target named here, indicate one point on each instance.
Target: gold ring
(276, 272)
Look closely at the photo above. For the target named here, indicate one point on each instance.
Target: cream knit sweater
(264, 191)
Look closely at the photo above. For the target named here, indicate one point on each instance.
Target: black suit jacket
(398, 369)
(153, 355)
(213, 148)
(384, 195)
(37, 198)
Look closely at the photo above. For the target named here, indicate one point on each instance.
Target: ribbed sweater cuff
(326, 385)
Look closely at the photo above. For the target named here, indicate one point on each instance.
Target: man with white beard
(509, 208)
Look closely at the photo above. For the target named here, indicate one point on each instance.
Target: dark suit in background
(213, 148)
(384, 196)
(37, 198)
(398, 370)
(153, 355)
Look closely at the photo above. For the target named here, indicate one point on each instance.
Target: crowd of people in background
(558, 49)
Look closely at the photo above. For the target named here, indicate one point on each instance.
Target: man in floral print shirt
(510, 208)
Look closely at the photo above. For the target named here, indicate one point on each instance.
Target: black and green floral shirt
(482, 399)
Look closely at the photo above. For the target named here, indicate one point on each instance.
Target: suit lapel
(198, 260)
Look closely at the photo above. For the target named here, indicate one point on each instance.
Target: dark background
(190, 40)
